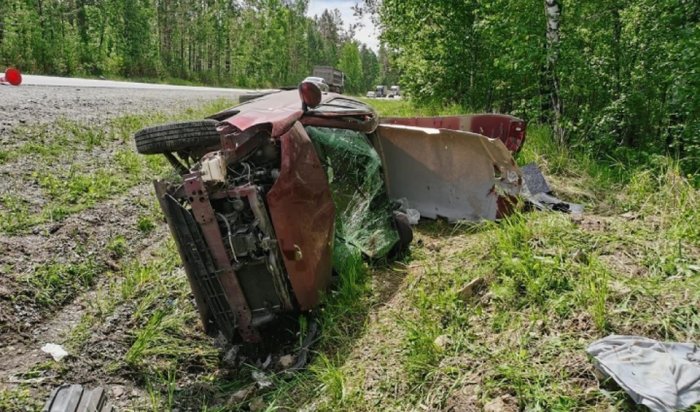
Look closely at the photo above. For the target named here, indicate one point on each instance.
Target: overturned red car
(274, 193)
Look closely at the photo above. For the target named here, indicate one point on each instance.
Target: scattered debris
(57, 352)
(286, 361)
(12, 77)
(267, 362)
(630, 215)
(413, 215)
(505, 403)
(534, 179)
(538, 193)
(118, 391)
(75, 398)
(663, 376)
(473, 288)
(446, 173)
(442, 342)
(309, 339)
(29, 381)
(257, 404)
(231, 356)
(242, 394)
(261, 379)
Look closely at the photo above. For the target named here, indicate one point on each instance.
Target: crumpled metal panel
(303, 215)
(509, 129)
(447, 173)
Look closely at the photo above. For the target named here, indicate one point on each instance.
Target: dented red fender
(303, 214)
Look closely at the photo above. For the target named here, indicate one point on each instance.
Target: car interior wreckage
(274, 193)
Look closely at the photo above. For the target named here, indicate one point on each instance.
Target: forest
(249, 43)
(616, 78)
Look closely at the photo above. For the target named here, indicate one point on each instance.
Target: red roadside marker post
(12, 76)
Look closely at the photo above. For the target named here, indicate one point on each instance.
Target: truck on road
(333, 77)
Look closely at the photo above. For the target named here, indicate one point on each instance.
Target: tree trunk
(553, 12)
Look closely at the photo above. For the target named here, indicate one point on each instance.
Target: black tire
(174, 137)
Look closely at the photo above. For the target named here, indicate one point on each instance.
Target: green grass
(69, 187)
(403, 338)
(19, 400)
(53, 284)
(406, 108)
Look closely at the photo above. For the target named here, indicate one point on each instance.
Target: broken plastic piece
(56, 351)
(75, 398)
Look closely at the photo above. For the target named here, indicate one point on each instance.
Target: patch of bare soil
(80, 238)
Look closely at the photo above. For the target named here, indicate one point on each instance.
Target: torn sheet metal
(534, 179)
(537, 192)
(447, 173)
(663, 376)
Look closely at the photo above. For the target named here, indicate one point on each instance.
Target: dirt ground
(79, 240)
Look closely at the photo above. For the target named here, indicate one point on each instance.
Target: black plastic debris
(539, 195)
(76, 398)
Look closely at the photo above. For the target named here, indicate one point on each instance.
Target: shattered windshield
(363, 209)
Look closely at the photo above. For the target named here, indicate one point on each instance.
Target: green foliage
(146, 224)
(627, 71)
(54, 284)
(19, 400)
(351, 64)
(248, 44)
(118, 246)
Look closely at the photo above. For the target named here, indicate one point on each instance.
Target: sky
(366, 34)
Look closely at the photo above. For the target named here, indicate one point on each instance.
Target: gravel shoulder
(45, 104)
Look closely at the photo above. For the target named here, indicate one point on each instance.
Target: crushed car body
(447, 173)
(274, 193)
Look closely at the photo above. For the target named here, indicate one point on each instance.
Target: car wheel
(173, 137)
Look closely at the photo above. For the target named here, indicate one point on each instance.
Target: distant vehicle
(394, 91)
(380, 91)
(370, 94)
(320, 82)
(334, 78)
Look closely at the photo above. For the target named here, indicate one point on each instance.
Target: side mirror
(12, 76)
(310, 95)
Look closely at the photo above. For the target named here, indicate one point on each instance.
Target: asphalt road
(34, 80)
(44, 99)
